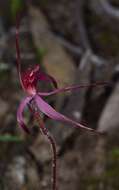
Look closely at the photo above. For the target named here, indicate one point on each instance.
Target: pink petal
(53, 114)
(47, 78)
(74, 87)
(20, 110)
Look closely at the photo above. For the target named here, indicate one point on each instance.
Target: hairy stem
(54, 156)
(52, 143)
(51, 140)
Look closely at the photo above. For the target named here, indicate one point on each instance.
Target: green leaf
(10, 138)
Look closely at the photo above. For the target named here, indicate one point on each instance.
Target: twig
(68, 45)
(78, 51)
(104, 8)
(81, 24)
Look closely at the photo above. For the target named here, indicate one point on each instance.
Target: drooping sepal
(20, 111)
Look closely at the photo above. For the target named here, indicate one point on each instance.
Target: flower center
(29, 79)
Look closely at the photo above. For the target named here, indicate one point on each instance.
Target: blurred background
(77, 42)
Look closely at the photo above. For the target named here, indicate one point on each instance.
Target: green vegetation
(16, 6)
(40, 53)
(10, 138)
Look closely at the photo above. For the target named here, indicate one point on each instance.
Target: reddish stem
(52, 143)
(54, 156)
(18, 57)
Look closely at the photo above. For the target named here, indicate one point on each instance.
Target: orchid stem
(54, 156)
(52, 142)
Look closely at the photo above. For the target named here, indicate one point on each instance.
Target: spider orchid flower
(29, 80)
